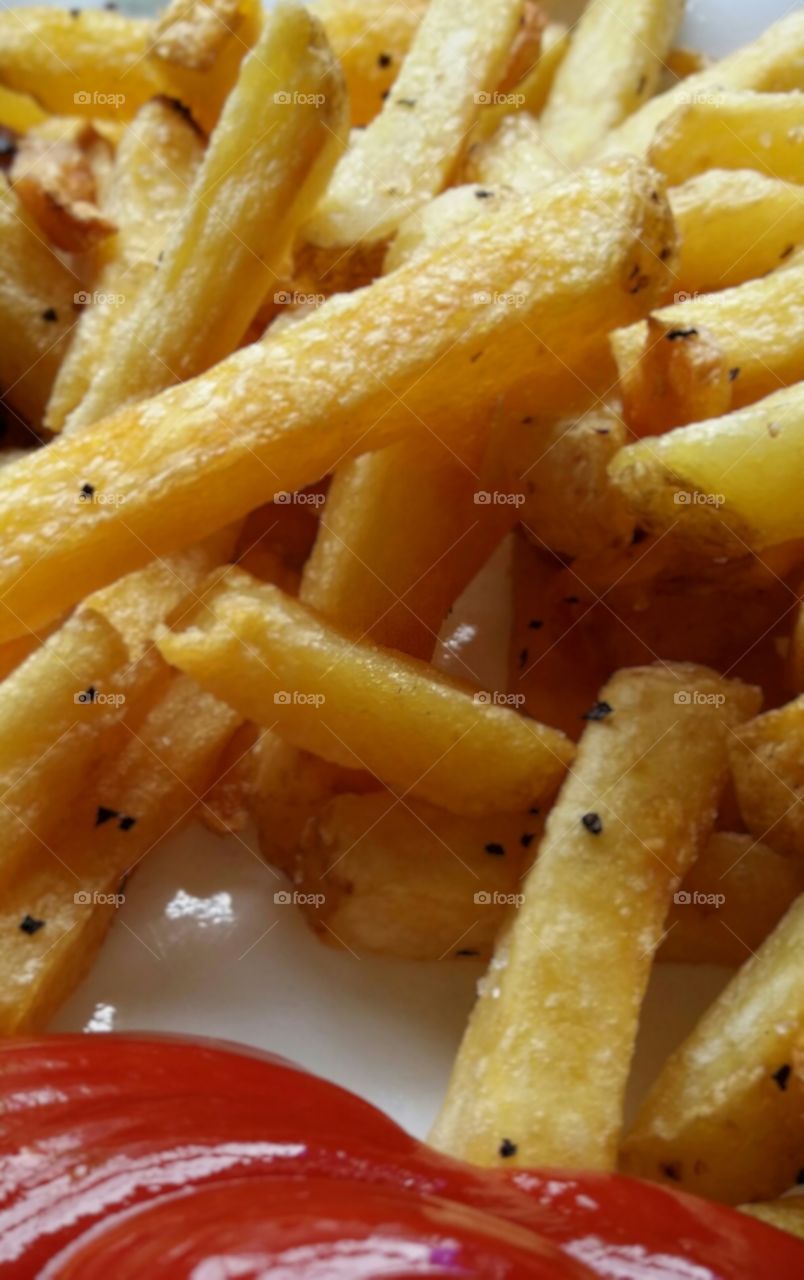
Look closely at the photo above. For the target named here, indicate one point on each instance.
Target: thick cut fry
(391, 580)
(266, 164)
(733, 227)
(514, 156)
(147, 790)
(409, 880)
(78, 62)
(56, 184)
(773, 63)
(767, 762)
(726, 485)
(433, 225)
(743, 343)
(787, 1214)
(570, 505)
(154, 169)
(508, 299)
(613, 65)
(734, 896)
(407, 153)
(371, 39)
(361, 706)
(545, 1059)
(37, 310)
(762, 131)
(725, 1119)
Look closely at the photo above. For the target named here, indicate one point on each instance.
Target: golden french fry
(58, 910)
(18, 111)
(371, 39)
(265, 166)
(725, 1119)
(774, 63)
(87, 61)
(38, 308)
(56, 184)
(407, 153)
(410, 880)
(154, 169)
(767, 763)
(726, 485)
(541, 1073)
(733, 227)
(330, 693)
(749, 339)
(513, 156)
(731, 899)
(612, 66)
(429, 227)
(528, 95)
(517, 294)
(787, 1214)
(761, 131)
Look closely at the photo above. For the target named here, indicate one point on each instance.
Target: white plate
(201, 946)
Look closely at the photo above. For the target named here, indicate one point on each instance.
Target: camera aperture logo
(686, 898)
(293, 898)
(298, 698)
(87, 898)
(489, 898)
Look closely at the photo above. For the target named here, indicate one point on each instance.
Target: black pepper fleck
(593, 823)
(406, 102)
(782, 1076)
(104, 815)
(673, 334)
(534, 809)
(467, 951)
(571, 600)
(535, 624)
(496, 850)
(507, 1148)
(126, 823)
(384, 60)
(87, 490)
(50, 314)
(639, 535)
(482, 194)
(671, 1171)
(526, 421)
(30, 925)
(734, 373)
(786, 252)
(526, 839)
(523, 657)
(598, 712)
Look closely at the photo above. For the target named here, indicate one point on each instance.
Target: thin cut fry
(544, 1062)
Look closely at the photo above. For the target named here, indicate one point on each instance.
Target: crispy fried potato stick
(541, 1073)
(761, 131)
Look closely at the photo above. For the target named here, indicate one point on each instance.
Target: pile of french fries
(276, 390)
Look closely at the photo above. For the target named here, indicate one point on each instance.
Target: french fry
(612, 66)
(410, 880)
(329, 693)
(514, 156)
(733, 226)
(713, 353)
(89, 61)
(726, 485)
(56, 184)
(529, 94)
(406, 154)
(542, 1069)
(371, 39)
(266, 164)
(767, 763)
(429, 227)
(18, 111)
(37, 309)
(71, 893)
(761, 131)
(787, 1214)
(225, 806)
(198, 45)
(516, 295)
(154, 169)
(725, 1118)
(731, 899)
(774, 63)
